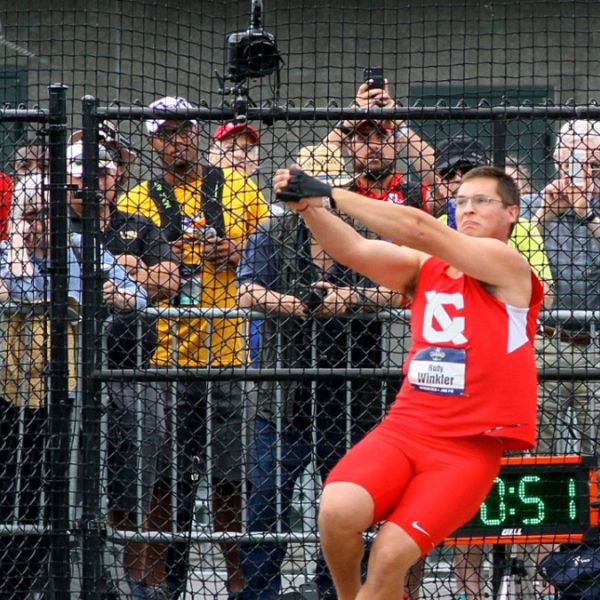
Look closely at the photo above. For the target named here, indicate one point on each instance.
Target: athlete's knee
(345, 507)
(393, 552)
(394, 557)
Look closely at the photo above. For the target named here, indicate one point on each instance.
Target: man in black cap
(453, 158)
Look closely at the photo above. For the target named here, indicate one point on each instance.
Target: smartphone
(577, 161)
(376, 75)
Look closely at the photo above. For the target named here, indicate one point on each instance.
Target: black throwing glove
(301, 186)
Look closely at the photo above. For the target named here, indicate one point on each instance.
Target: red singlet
(470, 390)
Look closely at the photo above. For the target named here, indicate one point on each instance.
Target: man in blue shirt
(284, 273)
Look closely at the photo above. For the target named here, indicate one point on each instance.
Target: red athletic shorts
(427, 485)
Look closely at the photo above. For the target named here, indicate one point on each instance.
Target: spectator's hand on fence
(116, 297)
(129, 262)
(336, 301)
(284, 305)
(292, 307)
(257, 297)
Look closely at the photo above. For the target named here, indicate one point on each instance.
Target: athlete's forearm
(403, 225)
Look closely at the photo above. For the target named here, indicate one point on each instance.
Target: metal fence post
(93, 584)
(58, 397)
(499, 150)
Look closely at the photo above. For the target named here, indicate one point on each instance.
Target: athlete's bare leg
(414, 579)
(346, 511)
(392, 555)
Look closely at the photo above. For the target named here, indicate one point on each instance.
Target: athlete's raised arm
(487, 208)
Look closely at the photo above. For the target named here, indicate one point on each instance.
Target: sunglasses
(170, 133)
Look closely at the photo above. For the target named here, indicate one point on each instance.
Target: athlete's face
(481, 212)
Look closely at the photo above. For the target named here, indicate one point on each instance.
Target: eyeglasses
(168, 133)
(477, 201)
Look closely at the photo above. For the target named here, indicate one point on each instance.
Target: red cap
(227, 129)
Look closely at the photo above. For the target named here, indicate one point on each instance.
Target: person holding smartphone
(567, 213)
(374, 92)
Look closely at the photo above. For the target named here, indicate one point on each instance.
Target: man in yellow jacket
(207, 213)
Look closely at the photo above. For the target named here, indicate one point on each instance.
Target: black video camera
(252, 53)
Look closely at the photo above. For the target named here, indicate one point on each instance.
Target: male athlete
(469, 390)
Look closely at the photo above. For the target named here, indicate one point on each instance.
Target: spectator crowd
(201, 233)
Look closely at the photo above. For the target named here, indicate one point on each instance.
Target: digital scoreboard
(534, 500)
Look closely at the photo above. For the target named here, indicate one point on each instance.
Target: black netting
(182, 361)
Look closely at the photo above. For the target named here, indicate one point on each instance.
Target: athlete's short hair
(505, 185)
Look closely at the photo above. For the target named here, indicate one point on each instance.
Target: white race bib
(438, 370)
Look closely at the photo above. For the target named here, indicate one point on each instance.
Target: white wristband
(326, 202)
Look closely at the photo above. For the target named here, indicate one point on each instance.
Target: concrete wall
(128, 50)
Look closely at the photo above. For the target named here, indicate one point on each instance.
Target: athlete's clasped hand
(294, 185)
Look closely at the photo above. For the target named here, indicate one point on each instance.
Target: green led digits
(525, 499)
(484, 510)
(534, 499)
(572, 502)
(529, 499)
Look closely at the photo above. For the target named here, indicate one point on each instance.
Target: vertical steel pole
(58, 397)
(93, 530)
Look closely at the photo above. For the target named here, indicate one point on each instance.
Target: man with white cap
(139, 247)
(107, 181)
(121, 150)
(206, 213)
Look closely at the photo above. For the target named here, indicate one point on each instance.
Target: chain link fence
(182, 365)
